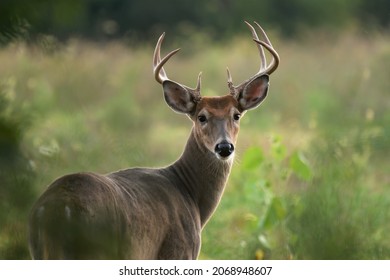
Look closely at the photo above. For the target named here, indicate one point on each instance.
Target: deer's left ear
(254, 93)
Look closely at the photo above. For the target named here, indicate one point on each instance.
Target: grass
(311, 178)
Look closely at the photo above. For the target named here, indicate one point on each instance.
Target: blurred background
(312, 175)
(132, 20)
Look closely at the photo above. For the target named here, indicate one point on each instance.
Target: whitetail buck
(144, 213)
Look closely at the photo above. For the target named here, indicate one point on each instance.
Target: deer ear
(254, 93)
(178, 97)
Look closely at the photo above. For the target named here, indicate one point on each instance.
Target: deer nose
(224, 149)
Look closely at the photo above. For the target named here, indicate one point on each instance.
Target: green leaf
(253, 158)
(278, 150)
(300, 166)
(276, 212)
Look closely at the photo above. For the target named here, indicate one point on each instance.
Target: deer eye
(236, 117)
(202, 119)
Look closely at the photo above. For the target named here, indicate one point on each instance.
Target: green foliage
(253, 158)
(16, 179)
(341, 216)
(298, 163)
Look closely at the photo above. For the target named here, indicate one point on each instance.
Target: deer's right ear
(178, 97)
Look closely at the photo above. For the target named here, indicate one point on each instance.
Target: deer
(153, 213)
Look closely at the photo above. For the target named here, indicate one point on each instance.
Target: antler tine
(275, 57)
(198, 83)
(263, 59)
(157, 59)
(230, 81)
(264, 69)
(263, 34)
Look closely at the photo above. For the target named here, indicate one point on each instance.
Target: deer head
(216, 119)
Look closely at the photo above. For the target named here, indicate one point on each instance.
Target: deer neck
(202, 176)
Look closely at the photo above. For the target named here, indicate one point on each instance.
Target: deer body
(169, 207)
(144, 213)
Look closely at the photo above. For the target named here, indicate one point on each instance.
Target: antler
(160, 74)
(264, 69)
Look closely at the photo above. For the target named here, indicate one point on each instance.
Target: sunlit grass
(97, 108)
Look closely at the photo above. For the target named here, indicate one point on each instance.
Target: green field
(312, 174)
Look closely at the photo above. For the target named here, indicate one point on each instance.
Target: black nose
(224, 149)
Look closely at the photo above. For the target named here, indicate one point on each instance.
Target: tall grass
(311, 177)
